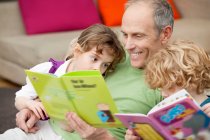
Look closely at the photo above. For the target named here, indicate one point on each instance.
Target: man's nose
(129, 44)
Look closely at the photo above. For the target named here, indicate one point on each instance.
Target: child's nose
(97, 66)
(164, 94)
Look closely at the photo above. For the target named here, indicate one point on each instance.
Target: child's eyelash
(94, 58)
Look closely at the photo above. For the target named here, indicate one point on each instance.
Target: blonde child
(179, 65)
(97, 48)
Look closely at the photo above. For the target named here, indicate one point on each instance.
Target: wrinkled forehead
(138, 17)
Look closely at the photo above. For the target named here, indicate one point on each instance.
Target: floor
(7, 108)
(7, 96)
(6, 84)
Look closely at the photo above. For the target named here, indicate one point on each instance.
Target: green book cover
(83, 92)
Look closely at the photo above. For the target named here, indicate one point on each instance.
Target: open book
(83, 92)
(176, 117)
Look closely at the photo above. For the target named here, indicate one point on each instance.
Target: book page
(181, 119)
(84, 92)
(180, 95)
(91, 98)
(52, 94)
(142, 126)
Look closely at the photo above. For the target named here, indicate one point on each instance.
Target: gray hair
(163, 14)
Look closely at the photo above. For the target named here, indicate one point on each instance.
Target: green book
(83, 92)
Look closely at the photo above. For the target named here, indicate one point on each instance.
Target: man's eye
(125, 35)
(140, 36)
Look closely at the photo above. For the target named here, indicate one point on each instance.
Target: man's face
(140, 37)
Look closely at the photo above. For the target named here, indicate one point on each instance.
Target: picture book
(176, 117)
(83, 92)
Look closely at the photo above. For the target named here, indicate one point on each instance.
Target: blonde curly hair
(181, 63)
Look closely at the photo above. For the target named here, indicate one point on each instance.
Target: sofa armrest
(193, 8)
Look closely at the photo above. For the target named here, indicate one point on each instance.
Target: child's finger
(33, 129)
(44, 111)
(207, 111)
(31, 123)
(206, 106)
(129, 132)
(40, 112)
(21, 123)
(36, 112)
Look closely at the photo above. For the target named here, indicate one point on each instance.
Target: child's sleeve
(27, 90)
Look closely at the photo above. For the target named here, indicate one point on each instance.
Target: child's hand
(37, 108)
(26, 120)
(206, 109)
(130, 135)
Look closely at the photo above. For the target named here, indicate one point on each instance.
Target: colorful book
(176, 117)
(83, 92)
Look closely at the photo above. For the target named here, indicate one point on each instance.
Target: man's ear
(166, 34)
(77, 50)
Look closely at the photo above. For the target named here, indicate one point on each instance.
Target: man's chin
(137, 65)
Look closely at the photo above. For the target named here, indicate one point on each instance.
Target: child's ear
(77, 50)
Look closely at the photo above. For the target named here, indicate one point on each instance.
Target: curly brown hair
(98, 36)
